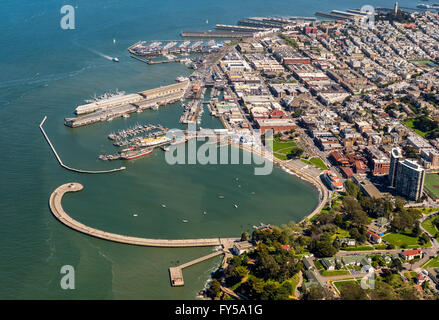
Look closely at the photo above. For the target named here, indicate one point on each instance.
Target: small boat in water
(115, 59)
(236, 206)
(135, 215)
(163, 206)
(133, 154)
(204, 213)
(221, 197)
(185, 221)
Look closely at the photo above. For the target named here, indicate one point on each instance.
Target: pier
(119, 106)
(215, 34)
(62, 216)
(176, 273)
(67, 167)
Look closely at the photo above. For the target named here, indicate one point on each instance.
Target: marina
(135, 130)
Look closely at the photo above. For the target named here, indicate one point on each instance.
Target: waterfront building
(395, 157)
(409, 179)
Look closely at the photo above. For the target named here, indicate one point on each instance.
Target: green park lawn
(282, 148)
(400, 239)
(316, 162)
(430, 227)
(327, 273)
(294, 281)
(428, 210)
(431, 184)
(341, 285)
(409, 123)
(432, 263)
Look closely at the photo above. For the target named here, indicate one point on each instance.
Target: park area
(316, 162)
(282, 148)
(402, 240)
(431, 184)
(430, 226)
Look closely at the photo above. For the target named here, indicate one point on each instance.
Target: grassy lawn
(428, 210)
(279, 144)
(358, 248)
(294, 282)
(340, 285)
(432, 263)
(431, 184)
(282, 148)
(327, 273)
(316, 162)
(430, 227)
(409, 123)
(340, 233)
(399, 239)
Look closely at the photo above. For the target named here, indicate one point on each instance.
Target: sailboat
(114, 41)
(207, 21)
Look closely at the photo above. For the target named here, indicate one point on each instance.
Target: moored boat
(134, 154)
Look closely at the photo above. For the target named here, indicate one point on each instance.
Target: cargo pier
(108, 109)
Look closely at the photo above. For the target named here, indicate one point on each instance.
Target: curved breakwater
(59, 213)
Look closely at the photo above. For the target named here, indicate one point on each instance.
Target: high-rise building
(409, 179)
(396, 8)
(395, 157)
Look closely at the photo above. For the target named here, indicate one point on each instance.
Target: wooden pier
(176, 273)
(59, 213)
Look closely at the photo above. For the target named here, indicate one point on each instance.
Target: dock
(215, 34)
(62, 216)
(176, 273)
(108, 109)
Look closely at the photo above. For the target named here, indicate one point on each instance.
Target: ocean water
(47, 71)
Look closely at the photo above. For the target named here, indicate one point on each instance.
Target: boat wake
(101, 54)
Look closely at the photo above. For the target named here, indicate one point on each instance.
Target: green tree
(214, 289)
(245, 236)
(352, 189)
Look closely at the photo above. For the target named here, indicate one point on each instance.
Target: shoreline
(323, 192)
